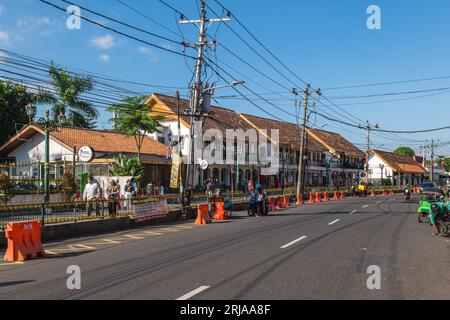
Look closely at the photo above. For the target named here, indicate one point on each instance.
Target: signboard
(149, 209)
(174, 174)
(86, 154)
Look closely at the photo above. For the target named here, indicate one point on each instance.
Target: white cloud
(43, 21)
(148, 52)
(3, 56)
(29, 22)
(105, 42)
(104, 58)
(4, 38)
(144, 50)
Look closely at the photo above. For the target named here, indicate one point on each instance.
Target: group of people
(213, 188)
(153, 190)
(93, 193)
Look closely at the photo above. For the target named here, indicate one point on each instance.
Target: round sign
(86, 154)
(204, 164)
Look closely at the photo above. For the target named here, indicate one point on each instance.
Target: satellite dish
(204, 164)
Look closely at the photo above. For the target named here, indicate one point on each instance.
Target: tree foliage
(6, 188)
(133, 118)
(13, 99)
(405, 151)
(443, 162)
(124, 167)
(67, 99)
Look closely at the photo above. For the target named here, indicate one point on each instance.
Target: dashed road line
(153, 233)
(333, 222)
(82, 246)
(131, 236)
(169, 229)
(365, 206)
(293, 242)
(354, 211)
(12, 263)
(189, 295)
(111, 241)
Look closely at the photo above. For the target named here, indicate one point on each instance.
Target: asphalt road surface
(318, 251)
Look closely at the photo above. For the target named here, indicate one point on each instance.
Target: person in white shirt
(90, 195)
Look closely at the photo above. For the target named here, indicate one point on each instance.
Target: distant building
(398, 169)
(25, 152)
(331, 159)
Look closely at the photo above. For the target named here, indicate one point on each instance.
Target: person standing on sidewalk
(129, 192)
(113, 192)
(90, 195)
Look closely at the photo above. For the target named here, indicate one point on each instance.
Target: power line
(120, 32)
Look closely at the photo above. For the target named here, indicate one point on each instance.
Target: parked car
(429, 187)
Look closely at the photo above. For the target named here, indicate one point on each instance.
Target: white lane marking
(354, 211)
(193, 293)
(378, 202)
(11, 263)
(293, 242)
(333, 222)
(365, 206)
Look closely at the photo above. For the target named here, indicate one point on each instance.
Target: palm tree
(68, 104)
(133, 118)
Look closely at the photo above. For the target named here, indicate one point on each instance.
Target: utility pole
(197, 88)
(433, 146)
(307, 92)
(180, 151)
(369, 127)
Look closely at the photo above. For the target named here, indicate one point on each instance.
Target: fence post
(42, 214)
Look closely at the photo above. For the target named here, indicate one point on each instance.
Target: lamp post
(31, 111)
(382, 169)
(47, 125)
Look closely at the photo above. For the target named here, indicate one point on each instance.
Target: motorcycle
(439, 209)
(252, 209)
(407, 194)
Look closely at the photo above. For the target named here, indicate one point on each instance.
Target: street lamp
(382, 169)
(31, 111)
(47, 125)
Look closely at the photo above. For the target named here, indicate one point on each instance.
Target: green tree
(405, 151)
(13, 99)
(444, 162)
(133, 118)
(124, 166)
(67, 101)
(6, 188)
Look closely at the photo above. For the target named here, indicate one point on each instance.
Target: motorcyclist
(260, 198)
(407, 192)
(434, 215)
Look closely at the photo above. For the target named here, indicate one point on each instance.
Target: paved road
(311, 252)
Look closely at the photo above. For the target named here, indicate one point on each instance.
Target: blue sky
(325, 42)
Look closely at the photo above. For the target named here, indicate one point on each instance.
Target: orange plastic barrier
(299, 200)
(318, 197)
(373, 193)
(311, 198)
(24, 241)
(272, 206)
(286, 201)
(203, 214)
(385, 193)
(342, 195)
(391, 193)
(336, 196)
(220, 211)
